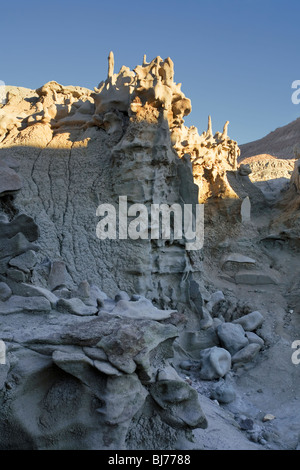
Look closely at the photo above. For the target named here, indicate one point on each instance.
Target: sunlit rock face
(77, 149)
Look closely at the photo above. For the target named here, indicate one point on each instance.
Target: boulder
(223, 392)
(178, 404)
(18, 304)
(58, 275)
(216, 299)
(96, 297)
(16, 275)
(206, 319)
(214, 363)
(246, 354)
(121, 295)
(232, 337)
(254, 338)
(193, 342)
(5, 291)
(84, 290)
(251, 321)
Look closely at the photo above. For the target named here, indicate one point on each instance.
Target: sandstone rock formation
(71, 138)
(133, 120)
(107, 340)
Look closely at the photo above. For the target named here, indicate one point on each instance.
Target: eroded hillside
(141, 342)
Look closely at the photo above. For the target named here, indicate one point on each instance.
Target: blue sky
(236, 59)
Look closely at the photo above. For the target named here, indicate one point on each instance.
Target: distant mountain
(279, 143)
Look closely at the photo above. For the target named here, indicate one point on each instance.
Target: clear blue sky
(236, 59)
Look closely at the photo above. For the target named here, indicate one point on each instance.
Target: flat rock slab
(25, 262)
(253, 278)
(237, 258)
(251, 321)
(107, 369)
(18, 304)
(32, 290)
(76, 307)
(72, 363)
(254, 338)
(140, 309)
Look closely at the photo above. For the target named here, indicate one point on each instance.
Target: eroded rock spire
(111, 64)
(225, 131)
(209, 128)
